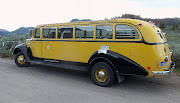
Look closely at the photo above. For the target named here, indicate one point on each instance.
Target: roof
(93, 22)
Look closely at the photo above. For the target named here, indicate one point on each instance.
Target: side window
(160, 34)
(126, 32)
(104, 32)
(84, 32)
(65, 33)
(49, 33)
(37, 33)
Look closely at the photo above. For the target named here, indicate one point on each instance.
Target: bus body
(109, 48)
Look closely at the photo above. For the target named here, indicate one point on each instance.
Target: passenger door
(48, 43)
(36, 43)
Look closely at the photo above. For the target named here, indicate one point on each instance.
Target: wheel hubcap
(21, 59)
(101, 75)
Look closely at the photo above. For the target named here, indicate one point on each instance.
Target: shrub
(162, 25)
(175, 27)
(5, 53)
(10, 41)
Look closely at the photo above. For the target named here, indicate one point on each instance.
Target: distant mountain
(76, 20)
(20, 31)
(3, 32)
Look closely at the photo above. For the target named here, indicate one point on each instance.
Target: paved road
(43, 84)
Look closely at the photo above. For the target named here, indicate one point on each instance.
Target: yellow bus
(109, 49)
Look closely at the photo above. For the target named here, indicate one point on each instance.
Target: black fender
(26, 51)
(120, 63)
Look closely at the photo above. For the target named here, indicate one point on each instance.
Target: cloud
(158, 3)
(17, 13)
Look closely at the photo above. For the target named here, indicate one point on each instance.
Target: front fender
(22, 48)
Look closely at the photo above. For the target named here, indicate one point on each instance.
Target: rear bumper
(164, 72)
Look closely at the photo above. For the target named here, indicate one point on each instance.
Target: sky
(30, 13)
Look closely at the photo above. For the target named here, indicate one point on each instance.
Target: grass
(173, 37)
(177, 69)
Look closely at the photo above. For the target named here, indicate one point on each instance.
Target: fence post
(3, 44)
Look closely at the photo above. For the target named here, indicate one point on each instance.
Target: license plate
(163, 63)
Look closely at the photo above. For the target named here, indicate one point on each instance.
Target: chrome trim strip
(160, 72)
(164, 72)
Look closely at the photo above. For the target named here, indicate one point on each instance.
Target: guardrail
(9, 45)
(14, 42)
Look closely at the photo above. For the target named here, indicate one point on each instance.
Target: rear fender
(120, 63)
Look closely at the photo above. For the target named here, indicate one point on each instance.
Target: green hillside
(20, 31)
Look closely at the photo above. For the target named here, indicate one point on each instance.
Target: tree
(162, 25)
(175, 27)
(78, 20)
(105, 18)
(130, 16)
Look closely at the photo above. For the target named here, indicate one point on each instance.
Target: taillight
(166, 59)
(164, 49)
(171, 53)
(139, 24)
(152, 22)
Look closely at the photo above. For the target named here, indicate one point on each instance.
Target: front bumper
(164, 72)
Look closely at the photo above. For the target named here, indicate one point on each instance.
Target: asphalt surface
(43, 84)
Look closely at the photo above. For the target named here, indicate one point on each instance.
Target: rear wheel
(102, 74)
(20, 60)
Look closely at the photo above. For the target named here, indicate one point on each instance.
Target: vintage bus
(109, 49)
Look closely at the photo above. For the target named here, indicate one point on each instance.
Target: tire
(98, 76)
(21, 63)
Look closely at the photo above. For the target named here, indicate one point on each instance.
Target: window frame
(94, 35)
(83, 26)
(63, 31)
(49, 28)
(35, 33)
(131, 25)
(104, 25)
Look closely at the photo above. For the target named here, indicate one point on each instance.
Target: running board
(58, 64)
(52, 61)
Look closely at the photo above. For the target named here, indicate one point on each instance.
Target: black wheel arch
(94, 60)
(121, 64)
(25, 50)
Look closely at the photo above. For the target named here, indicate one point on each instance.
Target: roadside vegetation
(173, 38)
(7, 44)
(177, 69)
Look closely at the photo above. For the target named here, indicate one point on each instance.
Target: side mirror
(30, 34)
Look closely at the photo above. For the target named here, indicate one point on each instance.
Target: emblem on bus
(48, 47)
(103, 49)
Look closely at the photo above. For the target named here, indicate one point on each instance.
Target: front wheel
(102, 74)
(20, 60)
